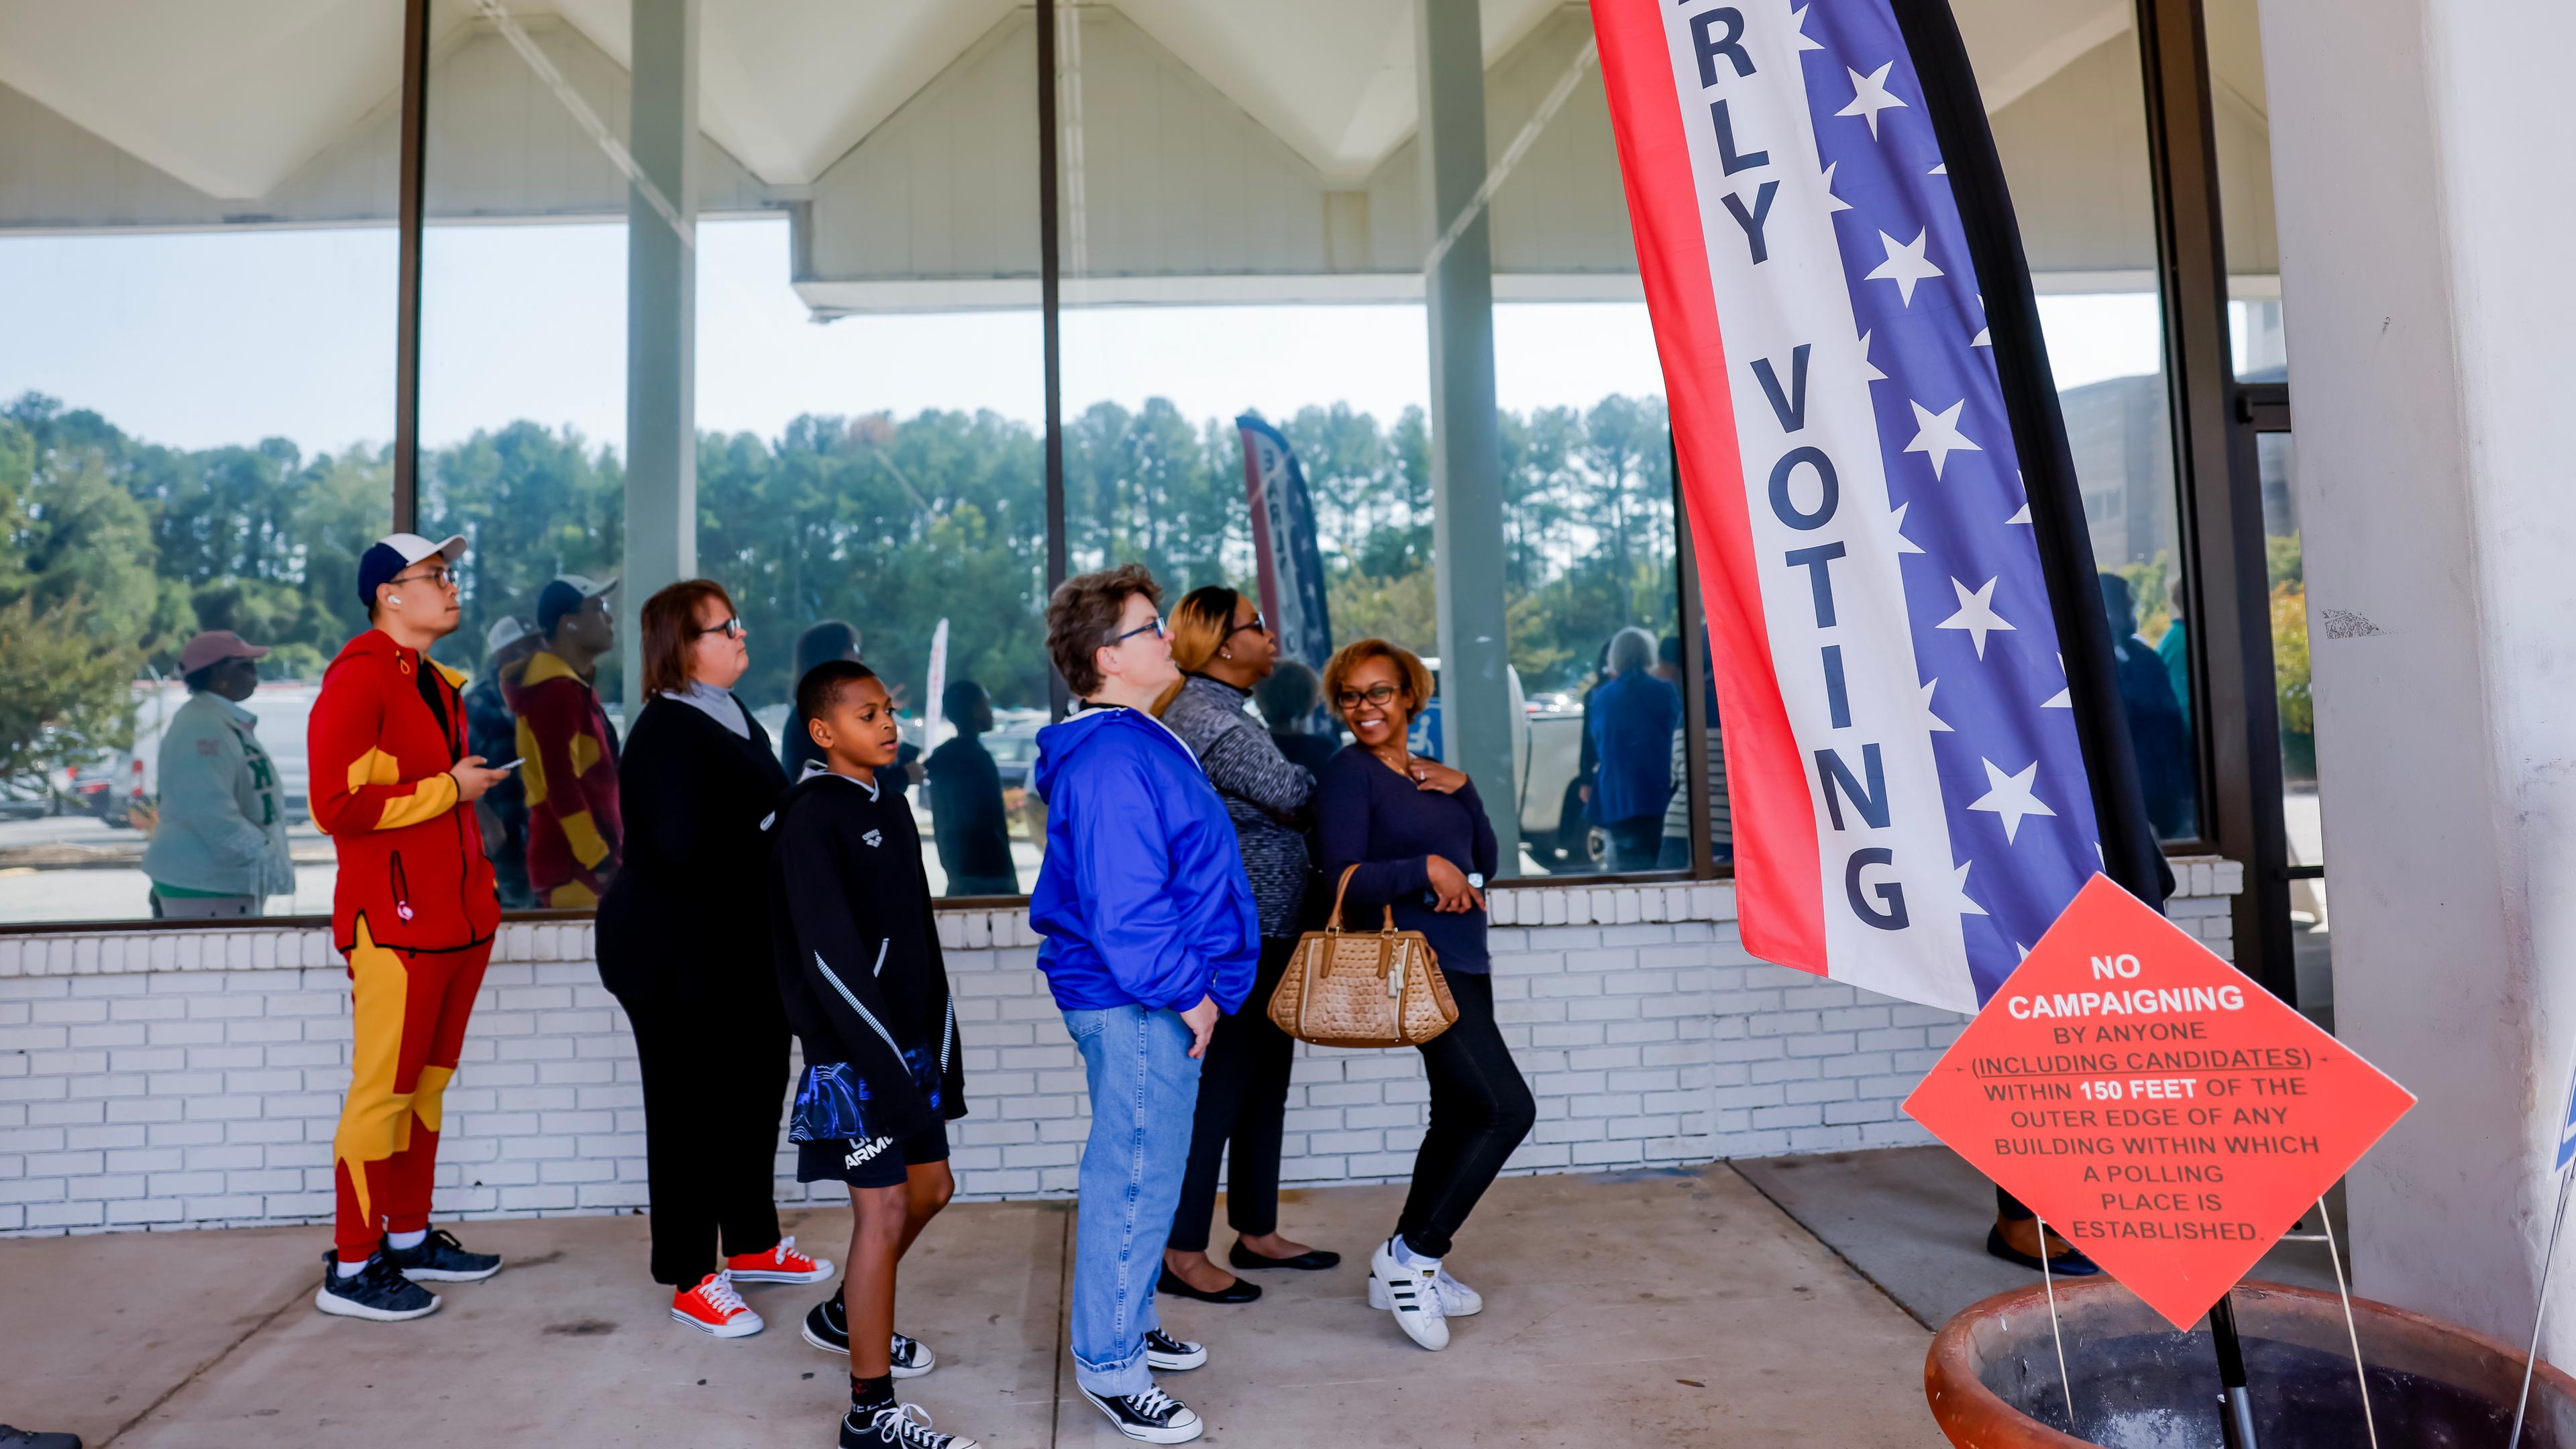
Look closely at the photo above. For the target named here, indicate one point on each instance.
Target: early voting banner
(1283, 545)
(1925, 749)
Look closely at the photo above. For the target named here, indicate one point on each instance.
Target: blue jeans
(1144, 1098)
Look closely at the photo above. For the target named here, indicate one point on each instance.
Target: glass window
(871, 465)
(523, 446)
(2066, 100)
(196, 407)
(2311, 952)
(2242, 127)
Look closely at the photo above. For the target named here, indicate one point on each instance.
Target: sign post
(2171, 1117)
(2548, 1258)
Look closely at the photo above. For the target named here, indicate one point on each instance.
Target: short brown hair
(1082, 619)
(670, 624)
(1348, 658)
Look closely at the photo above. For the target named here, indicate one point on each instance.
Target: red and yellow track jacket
(411, 856)
(576, 836)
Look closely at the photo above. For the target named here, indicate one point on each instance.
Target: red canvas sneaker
(782, 1264)
(714, 1308)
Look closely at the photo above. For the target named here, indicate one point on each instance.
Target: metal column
(661, 320)
(1466, 444)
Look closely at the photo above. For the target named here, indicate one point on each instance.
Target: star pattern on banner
(1905, 264)
(1869, 96)
(2064, 698)
(2010, 798)
(1833, 203)
(1967, 903)
(1904, 544)
(1938, 726)
(1976, 614)
(1868, 369)
(1938, 434)
(1798, 30)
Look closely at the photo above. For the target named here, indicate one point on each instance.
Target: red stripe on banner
(1265, 564)
(1779, 887)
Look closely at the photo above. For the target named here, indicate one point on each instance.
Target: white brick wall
(193, 1078)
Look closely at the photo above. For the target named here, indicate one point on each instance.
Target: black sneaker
(903, 1425)
(1172, 1355)
(439, 1258)
(827, 1327)
(1153, 1416)
(12, 1437)
(377, 1291)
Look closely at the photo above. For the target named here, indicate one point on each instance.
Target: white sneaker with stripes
(1412, 1294)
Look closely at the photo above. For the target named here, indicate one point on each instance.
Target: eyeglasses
(437, 578)
(1155, 624)
(730, 628)
(1377, 694)
(1257, 624)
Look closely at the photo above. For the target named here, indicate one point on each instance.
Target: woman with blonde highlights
(1224, 648)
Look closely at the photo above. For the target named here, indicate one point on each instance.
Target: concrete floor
(1676, 1307)
(1913, 1220)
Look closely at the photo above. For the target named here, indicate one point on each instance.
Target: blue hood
(1142, 897)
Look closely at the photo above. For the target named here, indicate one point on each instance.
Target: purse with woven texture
(1380, 988)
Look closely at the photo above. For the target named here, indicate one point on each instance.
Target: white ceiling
(232, 96)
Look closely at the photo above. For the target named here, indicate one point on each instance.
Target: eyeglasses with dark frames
(1256, 623)
(1377, 694)
(1154, 624)
(440, 577)
(730, 628)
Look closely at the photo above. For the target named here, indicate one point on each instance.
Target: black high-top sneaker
(1172, 1355)
(1152, 1416)
(439, 1258)
(377, 1291)
(903, 1426)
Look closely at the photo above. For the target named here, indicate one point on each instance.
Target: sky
(195, 340)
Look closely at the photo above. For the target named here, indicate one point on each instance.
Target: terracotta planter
(1993, 1383)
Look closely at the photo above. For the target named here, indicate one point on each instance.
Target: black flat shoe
(1313, 1260)
(2069, 1264)
(1179, 1287)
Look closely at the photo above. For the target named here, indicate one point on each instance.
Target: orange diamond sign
(2167, 1115)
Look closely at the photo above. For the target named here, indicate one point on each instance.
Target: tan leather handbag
(1378, 988)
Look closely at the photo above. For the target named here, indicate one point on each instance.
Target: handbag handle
(1333, 923)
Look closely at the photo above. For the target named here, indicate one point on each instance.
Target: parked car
(107, 788)
(27, 799)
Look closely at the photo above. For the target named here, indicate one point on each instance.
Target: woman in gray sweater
(1224, 648)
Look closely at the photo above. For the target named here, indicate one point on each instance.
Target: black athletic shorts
(876, 1162)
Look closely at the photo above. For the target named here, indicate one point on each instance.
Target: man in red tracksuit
(576, 835)
(413, 912)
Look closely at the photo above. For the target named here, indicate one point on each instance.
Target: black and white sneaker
(1172, 1355)
(377, 1291)
(905, 1426)
(1153, 1416)
(827, 1327)
(439, 1258)
(1412, 1295)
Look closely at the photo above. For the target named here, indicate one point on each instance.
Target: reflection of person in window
(220, 847)
(966, 813)
(1288, 699)
(2158, 730)
(574, 826)
(1676, 853)
(1631, 720)
(492, 732)
(2175, 650)
(833, 639)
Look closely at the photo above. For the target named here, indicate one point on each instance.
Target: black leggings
(1480, 1111)
(710, 1134)
(1243, 1098)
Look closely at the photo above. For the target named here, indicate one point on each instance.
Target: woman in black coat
(684, 946)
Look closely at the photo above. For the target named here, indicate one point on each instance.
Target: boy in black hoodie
(860, 972)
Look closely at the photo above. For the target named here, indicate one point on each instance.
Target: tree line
(113, 549)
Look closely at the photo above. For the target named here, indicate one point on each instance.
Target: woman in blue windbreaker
(1150, 937)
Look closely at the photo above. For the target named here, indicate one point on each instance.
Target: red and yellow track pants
(410, 1010)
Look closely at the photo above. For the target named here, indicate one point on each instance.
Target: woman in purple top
(1418, 836)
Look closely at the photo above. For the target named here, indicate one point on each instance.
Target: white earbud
(393, 598)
